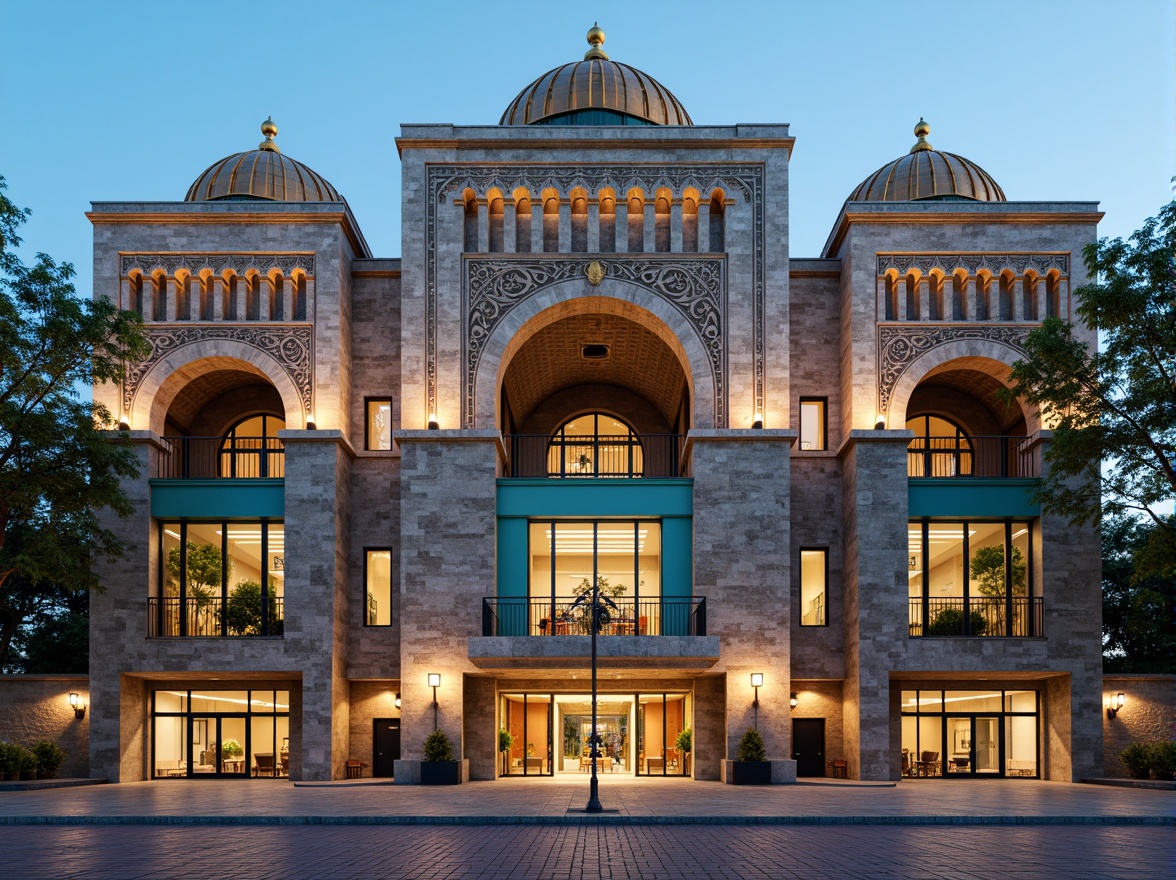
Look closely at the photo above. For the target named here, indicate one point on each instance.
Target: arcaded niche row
(982, 295)
(228, 295)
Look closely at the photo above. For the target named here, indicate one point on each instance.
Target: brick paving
(648, 852)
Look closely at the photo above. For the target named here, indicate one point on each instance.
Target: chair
(928, 765)
(355, 769)
(838, 768)
(285, 759)
(263, 764)
(906, 762)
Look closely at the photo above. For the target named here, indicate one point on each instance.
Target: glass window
(378, 581)
(252, 449)
(814, 568)
(595, 445)
(812, 423)
(941, 448)
(379, 424)
(972, 701)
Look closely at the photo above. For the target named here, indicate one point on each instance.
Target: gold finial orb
(269, 129)
(922, 129)
(595, 40)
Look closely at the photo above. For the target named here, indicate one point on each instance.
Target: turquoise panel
(622, 499)
(677, 574)
(218, 499)
(972, 498)
(512, 576)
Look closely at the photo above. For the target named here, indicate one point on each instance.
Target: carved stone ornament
(217, 263)
(292, 347)
(595, 273)
(899, 347)
(692, 285)
(972, 263)
(743, 180)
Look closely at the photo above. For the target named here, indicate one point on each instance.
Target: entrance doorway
(808, 746)
(385, 746)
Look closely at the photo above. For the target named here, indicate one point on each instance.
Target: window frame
(367, 551)
(824, 426)
(824, 550)
(367, 422)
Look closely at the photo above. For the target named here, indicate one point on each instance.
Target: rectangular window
(814, 574)
(813, 426)
(378, 433)
(377, 569)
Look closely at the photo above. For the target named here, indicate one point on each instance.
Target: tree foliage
(988, 570)
(1139, 627)
(1114, 409)
(58, 466)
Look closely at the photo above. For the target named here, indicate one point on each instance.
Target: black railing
(986, 616)
(236, 616)
(685, 616)
(209, 458)
(945, 457)
(622, 455)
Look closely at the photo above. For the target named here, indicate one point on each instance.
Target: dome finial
(921, 132)
(595, 40)
(269, 129)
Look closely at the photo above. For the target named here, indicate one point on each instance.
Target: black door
(808, 746)
(386, 741)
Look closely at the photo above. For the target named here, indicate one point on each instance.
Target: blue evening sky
(1056, 99)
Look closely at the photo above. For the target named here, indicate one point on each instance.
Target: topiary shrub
(438, 747)
(751, 747)
(9, 760)
(1162, 761)
(950, 622)
(685, 740)
(27, 764)
(49, 757)
(1137, 759)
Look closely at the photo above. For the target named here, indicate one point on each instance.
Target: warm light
(398, 700)
(792, 700)
(757, 679)
(434, 680)
(758, 422)
(124, 425)
(1114, 704)
(433, 423)
(73, 701)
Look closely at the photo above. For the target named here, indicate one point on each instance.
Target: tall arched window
(595, 445)
(941, 448)
(251, 448)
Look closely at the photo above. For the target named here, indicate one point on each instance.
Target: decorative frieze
(1019, 264)
(217, 263)
(691, 285)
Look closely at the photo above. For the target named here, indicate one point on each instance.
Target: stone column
(874, 520)
(593, 227)
(650, 229)
(742, 564)
(483, 227)
(924, 297)
(704, 227)
(288, 285)
(168, 287)
(447, 552)
(565, 227)
(676, 228)
(621, 226)
(509, 226)
(216, 289)
(536, 234)
(882, 295)
(1017, 299)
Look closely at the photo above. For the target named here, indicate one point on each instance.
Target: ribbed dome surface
(596, 83)
(927, 173)
(263, 173)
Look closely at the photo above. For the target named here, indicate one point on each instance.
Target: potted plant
(1137, 759)
(49, 757)
(950, 622)
(231, 750)
(685, 742)
(439, 768)
(505, 741)
(751, 766)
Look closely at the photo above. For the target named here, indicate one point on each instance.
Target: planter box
(751, 772)
(440, 773)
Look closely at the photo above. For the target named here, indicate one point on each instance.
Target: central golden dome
(595, 91)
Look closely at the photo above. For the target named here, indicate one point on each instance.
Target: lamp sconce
(124, 425)
(434, 683)
(75, 703)
(433, 426)
(792, 700)
(397, 700)
(880, 423)
(310, 425)
(1114, 704)
(757, 423)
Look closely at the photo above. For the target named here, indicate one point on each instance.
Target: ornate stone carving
(595, 273)
(218, 263)
(292, 347)
(693, 285)
(746, 180)
(898, 347)
(972, 263)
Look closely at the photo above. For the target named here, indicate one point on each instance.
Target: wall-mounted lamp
(758, 422)
(397, 699)
(757, 680)
(434, 683)
(1114, 704)
(880, 424)
(792, 700)
(75, 703)
(433, 423)
(124, 425)
(310, 424)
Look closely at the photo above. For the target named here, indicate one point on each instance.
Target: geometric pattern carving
(218, 263)
(747, 179)
(692, 285)
(971, 263)
(899, 346)
(292, 347)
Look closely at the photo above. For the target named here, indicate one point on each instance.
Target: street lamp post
(598, 616)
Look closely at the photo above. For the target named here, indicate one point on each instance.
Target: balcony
(545, 617)
(237, 616)
(224, 458)
(1010, 616)
(594, 456)
(972, 457)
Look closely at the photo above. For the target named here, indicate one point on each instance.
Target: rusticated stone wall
(36, 707)
(1148, 715)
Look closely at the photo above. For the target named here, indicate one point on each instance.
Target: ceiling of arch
(214, 386)
(551, 360)
(980, 386)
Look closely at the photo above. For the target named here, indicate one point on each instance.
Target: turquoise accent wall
(218, 499)
(972, 498)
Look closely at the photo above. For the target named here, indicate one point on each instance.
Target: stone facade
(1148, 715)
(37, 707)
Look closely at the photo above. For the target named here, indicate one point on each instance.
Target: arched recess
(985, 357)
(611, 297)
(168, 377)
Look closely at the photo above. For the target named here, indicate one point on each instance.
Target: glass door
(986, 745)
(973, 746)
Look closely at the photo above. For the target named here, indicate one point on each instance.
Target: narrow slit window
(814, 576)
(377, 606)
(379, 424)
(813, 426)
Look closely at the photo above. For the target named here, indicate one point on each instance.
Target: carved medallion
(595, 273)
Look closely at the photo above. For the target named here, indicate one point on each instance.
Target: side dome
(263, 174)
(595, 91)
(927, 174)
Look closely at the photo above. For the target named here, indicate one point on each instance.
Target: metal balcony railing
(685, 616)
(943, 457)
(623, 455)
(984, 616)
(196, 617)
(210, 458)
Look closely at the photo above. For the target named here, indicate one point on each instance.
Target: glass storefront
(204, 733)
(963, 733)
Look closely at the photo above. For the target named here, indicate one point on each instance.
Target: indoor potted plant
(685, 742)
(439, 768)
(49, 757)
(751, 766)
(505, 741)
